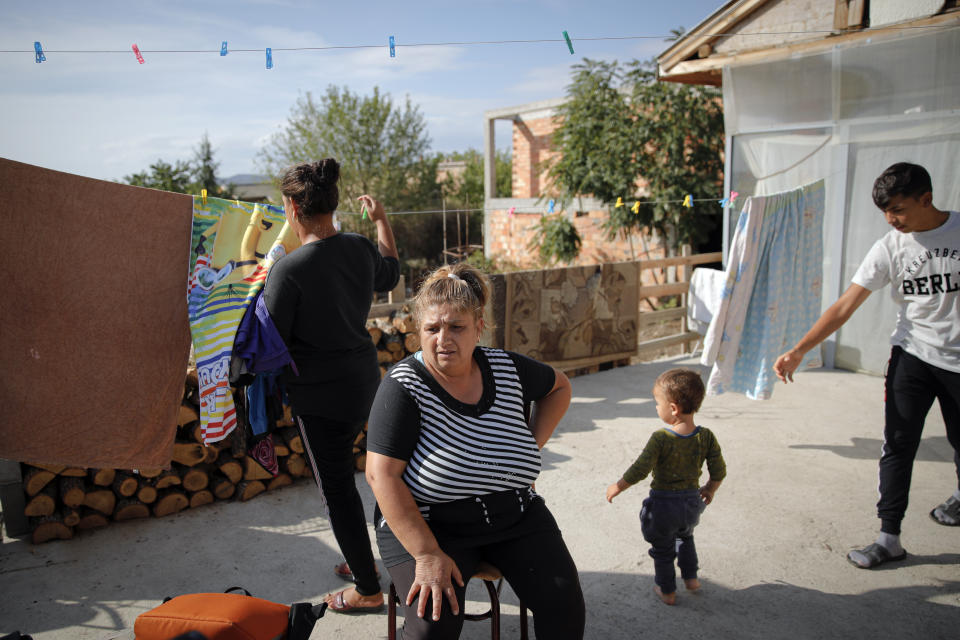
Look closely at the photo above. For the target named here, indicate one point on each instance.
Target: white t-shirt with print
(924, 269)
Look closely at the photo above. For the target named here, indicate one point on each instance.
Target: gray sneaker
(947, 513)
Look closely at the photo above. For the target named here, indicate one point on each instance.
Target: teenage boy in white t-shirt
(920, 257)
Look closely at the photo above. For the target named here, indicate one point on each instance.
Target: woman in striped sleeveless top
(453, 446)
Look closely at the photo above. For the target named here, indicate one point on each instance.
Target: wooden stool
(492, 580)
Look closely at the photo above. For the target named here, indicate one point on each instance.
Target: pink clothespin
(136, 51)
(510, 212)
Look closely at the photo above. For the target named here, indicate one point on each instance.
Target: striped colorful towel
(233, 246)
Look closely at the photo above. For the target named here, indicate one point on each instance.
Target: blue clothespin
(223, 48)
(269, 58)
(569, 44)
(550, 206)
(39, 50)
(393, 47)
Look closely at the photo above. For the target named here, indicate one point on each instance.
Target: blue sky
(105, 116)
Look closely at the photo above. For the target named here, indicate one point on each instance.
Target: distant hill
(245, 179)
(251, 187)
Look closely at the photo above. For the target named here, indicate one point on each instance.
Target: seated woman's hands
(433, 579)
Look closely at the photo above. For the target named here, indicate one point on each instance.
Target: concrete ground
(800, 493)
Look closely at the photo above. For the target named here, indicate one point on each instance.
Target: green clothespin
(363, 210)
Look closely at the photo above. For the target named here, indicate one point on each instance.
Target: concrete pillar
(489, 159)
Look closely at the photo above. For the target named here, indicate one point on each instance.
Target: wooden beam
(840, 14)
(658, 290)
(719, 22)
(700, 258)
(662, 315)
(579, 363)
(385, 309)
(855, 11)
(668, 341)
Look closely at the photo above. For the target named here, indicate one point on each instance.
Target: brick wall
(532, 146)
(507, 237)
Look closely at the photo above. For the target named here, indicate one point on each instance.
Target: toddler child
(675, 454)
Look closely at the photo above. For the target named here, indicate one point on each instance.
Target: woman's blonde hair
(461, 286)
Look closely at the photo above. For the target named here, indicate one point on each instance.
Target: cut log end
(130, 509)
(50, 528)
(172, 501)
(249, 489)
(282, 480)
(201, 498)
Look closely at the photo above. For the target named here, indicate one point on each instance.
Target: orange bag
(227, 616)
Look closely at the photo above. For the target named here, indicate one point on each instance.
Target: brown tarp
(94, 336)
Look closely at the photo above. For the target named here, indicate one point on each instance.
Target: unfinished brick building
(506, 235)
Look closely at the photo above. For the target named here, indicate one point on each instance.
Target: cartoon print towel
(232, 248)
(772, 291)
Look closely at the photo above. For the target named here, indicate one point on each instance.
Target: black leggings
(329, 447)
(911, 387)
(540, 571)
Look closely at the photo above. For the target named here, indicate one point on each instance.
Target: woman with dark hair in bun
(453, 450)
(319, 296)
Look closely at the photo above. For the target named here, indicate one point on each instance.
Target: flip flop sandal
(343, 571)
(340, 605)
(950, 509)
(876, 555)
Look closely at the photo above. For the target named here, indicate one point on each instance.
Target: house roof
(750, 31)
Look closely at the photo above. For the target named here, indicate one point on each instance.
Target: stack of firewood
(395, 337)
(61, 500)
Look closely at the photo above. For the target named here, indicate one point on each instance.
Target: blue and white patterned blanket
(772, 291)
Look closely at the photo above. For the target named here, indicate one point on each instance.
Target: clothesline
(483, 209)
(397, 45)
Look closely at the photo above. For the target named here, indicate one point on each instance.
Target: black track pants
(329, 447)
(911, 387)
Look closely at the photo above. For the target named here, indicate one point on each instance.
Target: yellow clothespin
(203, 196)
(688, 201)
(636, 207)
(619, 203)
(237, 202)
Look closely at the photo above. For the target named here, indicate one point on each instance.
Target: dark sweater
(319, 296)
(677, 461)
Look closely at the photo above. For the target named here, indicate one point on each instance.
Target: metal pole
(444, 203)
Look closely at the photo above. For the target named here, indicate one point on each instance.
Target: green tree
(464, 189)
(185, 176)
(177, 177)
(205, 171)
(621, 128)
(382, 148)
(555, 239)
